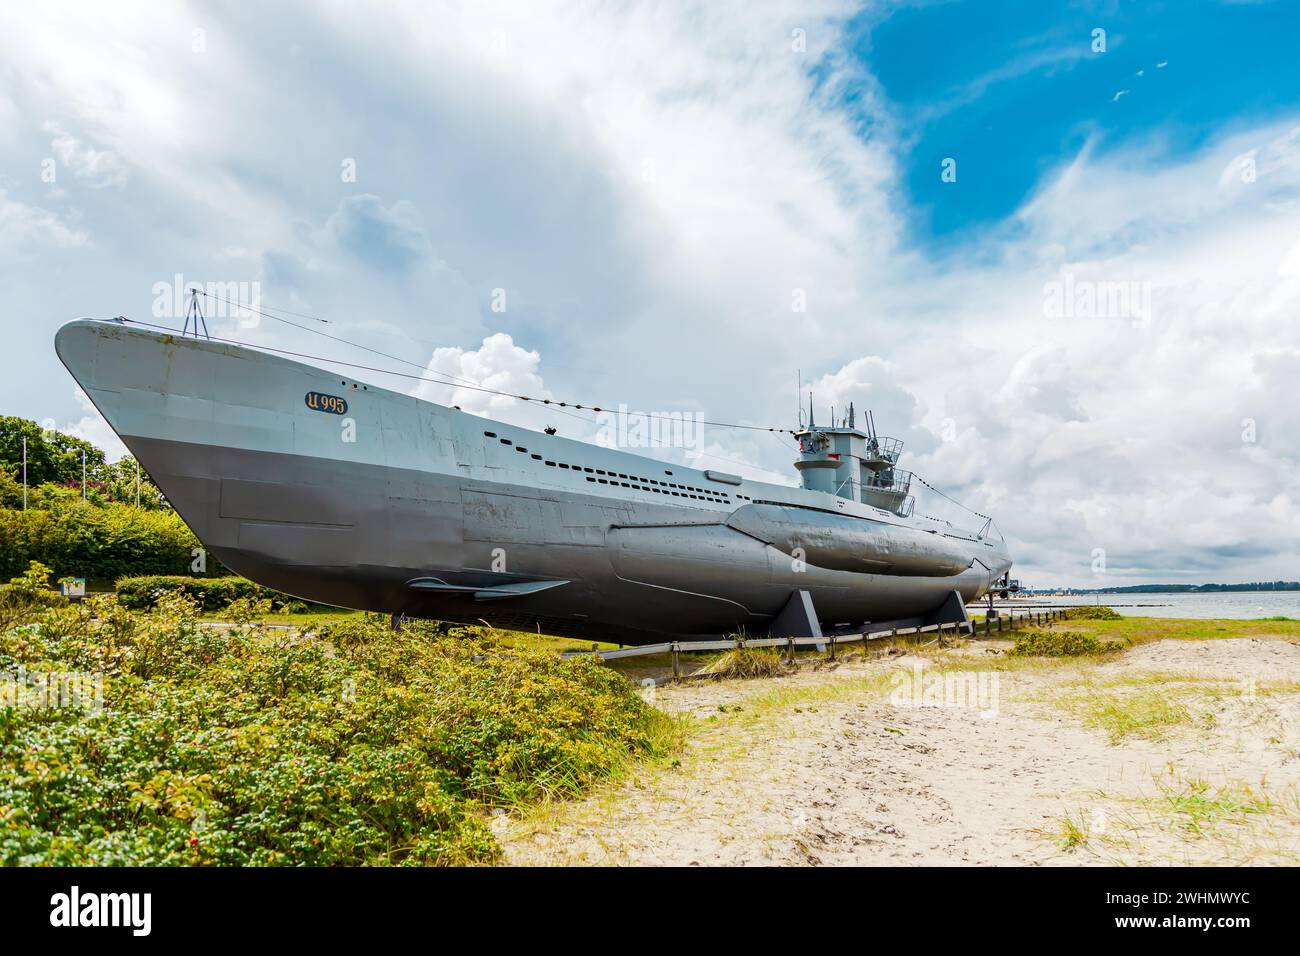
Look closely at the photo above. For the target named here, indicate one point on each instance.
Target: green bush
(26, 593)
(354, 746)
(101, 543)
(1040, 643)
(211, 594)
(1093, 613)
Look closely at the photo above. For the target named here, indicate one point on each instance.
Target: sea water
(1226, 604)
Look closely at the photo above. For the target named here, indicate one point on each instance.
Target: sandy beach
(1175, 751)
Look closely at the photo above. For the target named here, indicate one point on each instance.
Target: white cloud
(92, 427)
(1108, 433)
(475, 377)
(25, 229)
(99, 167)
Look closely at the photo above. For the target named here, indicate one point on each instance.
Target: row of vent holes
(703, 493)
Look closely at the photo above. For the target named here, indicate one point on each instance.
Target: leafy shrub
(211, 594)
(25, 593)
(242, 746)
(1092, 613)
(11, 490)
(102, 543)
(1040, 643)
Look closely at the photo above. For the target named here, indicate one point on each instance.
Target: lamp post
(83, 474)
(137, 482)
(24, 473)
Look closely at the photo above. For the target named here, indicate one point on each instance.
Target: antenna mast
(798, 392)
(195, 312)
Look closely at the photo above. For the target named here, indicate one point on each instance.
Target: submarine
(338, 491)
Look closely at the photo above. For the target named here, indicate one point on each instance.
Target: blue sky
(685, 205)
(1009, 88)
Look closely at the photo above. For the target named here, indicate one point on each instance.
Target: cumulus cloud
(472, 379)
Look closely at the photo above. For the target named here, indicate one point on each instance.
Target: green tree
(54, 458)
(119, 479)
(51, 455)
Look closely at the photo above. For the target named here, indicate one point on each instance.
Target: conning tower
(859, 465)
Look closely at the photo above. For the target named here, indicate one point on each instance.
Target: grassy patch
(1097, 613)
(1139, 630)
(545, 642)
(1138, 709)
(1073, 833)
(784, 697)
(1045, 643)
(1196, 805)
(306, 619)
(745, 662)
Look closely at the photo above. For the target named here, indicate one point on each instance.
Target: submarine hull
(340, 492)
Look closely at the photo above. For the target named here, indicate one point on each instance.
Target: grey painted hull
(431, 512)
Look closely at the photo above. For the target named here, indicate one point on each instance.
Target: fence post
(832, 647)
(789, 649)
(677, 661)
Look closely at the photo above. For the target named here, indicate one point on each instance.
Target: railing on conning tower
(882, 453)
(888, 488)
(893, 481)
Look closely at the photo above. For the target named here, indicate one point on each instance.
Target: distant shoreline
(1278, 587)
